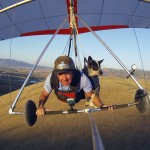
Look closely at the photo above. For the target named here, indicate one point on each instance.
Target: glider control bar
(15, 5)
(30, 116)
(142, 103)
(89, 110)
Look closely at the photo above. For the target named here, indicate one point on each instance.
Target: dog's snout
(100, 72)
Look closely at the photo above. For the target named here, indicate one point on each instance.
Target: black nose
(100, 72)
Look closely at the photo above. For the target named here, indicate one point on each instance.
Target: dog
(92, 69)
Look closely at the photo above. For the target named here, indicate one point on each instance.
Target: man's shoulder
(84, 76)
(80, 73)
(48, 79)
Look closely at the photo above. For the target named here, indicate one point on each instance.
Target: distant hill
(122, 73)
(5, 63)
(13, 63)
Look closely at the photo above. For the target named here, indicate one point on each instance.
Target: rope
(73, 26)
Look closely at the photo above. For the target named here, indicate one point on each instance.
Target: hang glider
(39, 17)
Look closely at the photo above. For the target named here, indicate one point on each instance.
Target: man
(67, 82)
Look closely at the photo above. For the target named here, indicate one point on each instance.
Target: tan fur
(92, 72)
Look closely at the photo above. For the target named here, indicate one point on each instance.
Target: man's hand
(43, 98)
(40, 111)
(110, 107)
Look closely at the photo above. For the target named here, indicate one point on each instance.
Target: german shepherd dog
(92, 69)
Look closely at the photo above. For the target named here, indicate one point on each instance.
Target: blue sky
(121, 41)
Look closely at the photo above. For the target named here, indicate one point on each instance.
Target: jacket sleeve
(47, 85)
(85, 83)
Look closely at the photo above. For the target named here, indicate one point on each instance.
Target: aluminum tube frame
(90, 110)
(36, 63)
(15, 5)
(96, 138)
(111, 52)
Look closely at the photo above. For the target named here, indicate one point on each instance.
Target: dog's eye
(95, 68)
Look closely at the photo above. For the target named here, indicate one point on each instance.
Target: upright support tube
(111, 52)
(39, 58)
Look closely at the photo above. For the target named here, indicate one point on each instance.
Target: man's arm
(95, 99)
(43, 98)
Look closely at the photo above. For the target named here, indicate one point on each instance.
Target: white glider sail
(38, 17)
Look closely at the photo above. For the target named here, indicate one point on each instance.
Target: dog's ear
(90, 59)
(99, 62)
(85, 61)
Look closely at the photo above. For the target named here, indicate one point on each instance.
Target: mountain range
(13, 63)
(5, 63)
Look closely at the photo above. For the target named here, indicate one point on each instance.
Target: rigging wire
(118, 75)
(101, 10)
(68, 50)
(141, 58)
(69, 41)
(10, 54)
(67, 47)
(43, 14)
(31, 90)
(136, 39)
(78, 56)
(10, 51)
